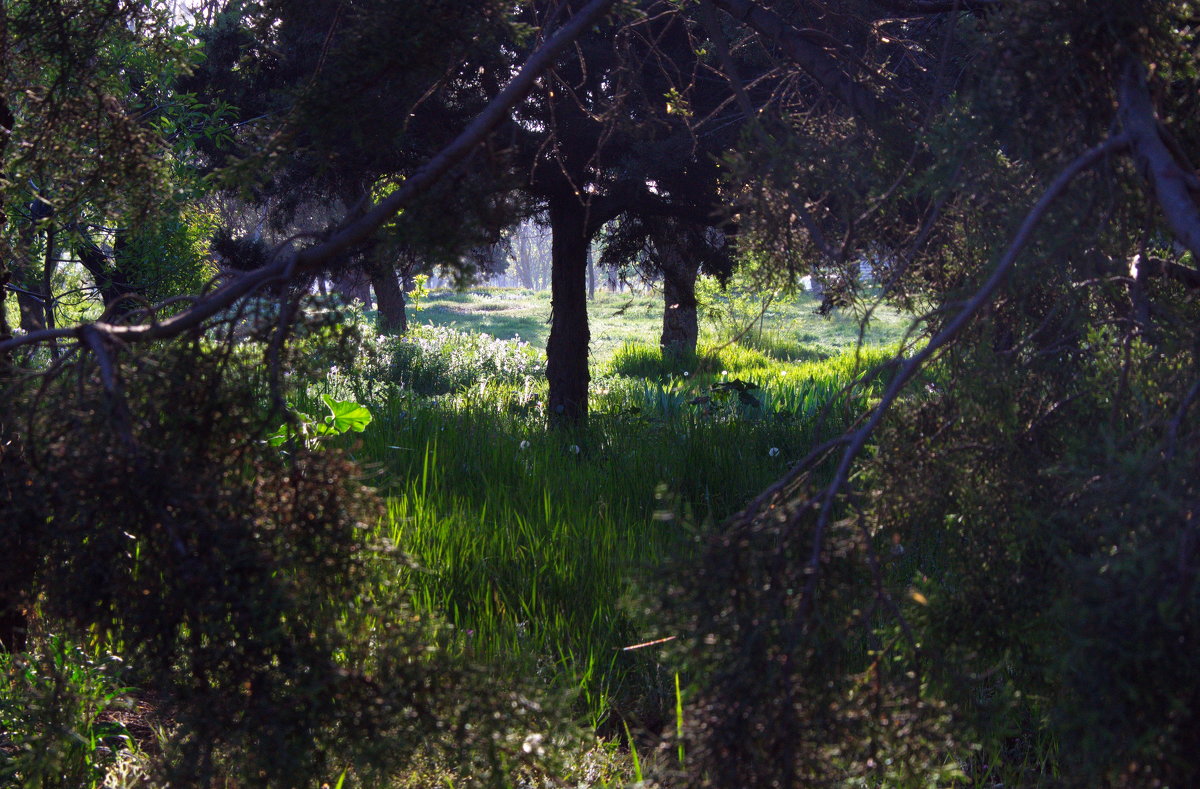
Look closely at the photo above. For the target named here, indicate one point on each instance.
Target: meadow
(543, 548)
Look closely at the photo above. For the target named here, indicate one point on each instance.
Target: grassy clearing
(788, 329)
(538, 546)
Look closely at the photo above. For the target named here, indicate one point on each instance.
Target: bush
(434, 360)
(235, 579)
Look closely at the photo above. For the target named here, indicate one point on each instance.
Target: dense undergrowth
(533, 555)
(499, 593)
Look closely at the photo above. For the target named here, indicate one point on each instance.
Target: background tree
(362, 113)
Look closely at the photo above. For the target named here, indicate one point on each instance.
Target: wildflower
(533, 745)
(524, 445)
(685, 373)
(774, 451)
(573, 449)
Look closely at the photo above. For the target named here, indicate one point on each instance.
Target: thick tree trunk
(389, 296)
(31, 309)
(567, 347)
(680, 325)
(112, 283)
(13, 622)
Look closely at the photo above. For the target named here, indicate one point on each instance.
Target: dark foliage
(233, 577)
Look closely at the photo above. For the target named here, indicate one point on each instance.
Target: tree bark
(567, 347)
(389, 296)
(13, 622)
(681, 327)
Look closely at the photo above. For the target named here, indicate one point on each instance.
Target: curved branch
(858, 439)
(354, 232)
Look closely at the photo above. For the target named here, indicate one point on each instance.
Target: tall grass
(538, 544)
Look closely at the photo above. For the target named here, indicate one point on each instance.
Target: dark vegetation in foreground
(310, 553)
(265, 620)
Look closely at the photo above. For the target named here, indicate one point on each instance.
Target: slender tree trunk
(7, 121)
(680, 324)
(567, 347)
(31, 308)
(524, 262)
(591, 274)
(389, 296)
(48, 270)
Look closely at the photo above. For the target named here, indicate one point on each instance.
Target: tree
(148, 432)
(678, 252)
(919, 580)
(620, 143)
(355, 132)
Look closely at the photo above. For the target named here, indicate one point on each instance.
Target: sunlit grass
(538, 545)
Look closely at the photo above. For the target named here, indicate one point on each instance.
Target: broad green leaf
(346, 415)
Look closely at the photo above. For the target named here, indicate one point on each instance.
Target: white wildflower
(774, 451)
(533, 745)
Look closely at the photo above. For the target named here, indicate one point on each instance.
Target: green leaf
(346, 415)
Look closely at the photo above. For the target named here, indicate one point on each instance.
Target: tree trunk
(48, 269)
(680, 325)
(12, 617)
(6, 123)
(567, 347)
(107, 274)
(524, 262)
(591, 275)
(30, 307)
(389, 296)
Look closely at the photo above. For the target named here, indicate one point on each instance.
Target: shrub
(440, 360)
(237, 581)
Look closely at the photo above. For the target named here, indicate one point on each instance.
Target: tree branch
(920, 7)
(358, 230)
(814, 59)
(858, 439)
(1172, 183)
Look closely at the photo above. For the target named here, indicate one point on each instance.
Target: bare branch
(358, 230)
